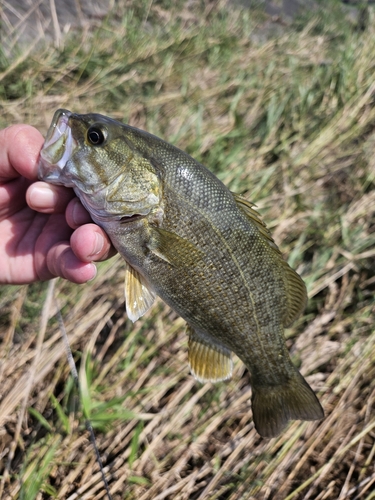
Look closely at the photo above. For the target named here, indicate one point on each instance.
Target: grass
(285, 116)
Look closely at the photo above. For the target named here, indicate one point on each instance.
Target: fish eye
(96, 135)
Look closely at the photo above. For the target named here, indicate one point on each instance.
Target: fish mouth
(58, 148)
(125, 219)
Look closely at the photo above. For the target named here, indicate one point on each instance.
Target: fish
(204, 250)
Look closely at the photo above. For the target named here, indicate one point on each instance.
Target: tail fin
(274, 405)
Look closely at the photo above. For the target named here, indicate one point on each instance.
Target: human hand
(44, 230)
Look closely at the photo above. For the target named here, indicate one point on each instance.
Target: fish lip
(126, 219)
(58, 148)
(58, 125)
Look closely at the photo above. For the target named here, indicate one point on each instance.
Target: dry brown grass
(289, 122)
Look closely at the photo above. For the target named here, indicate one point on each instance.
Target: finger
(76, 215)
(19, 152)
(62, 262)
(12, 196)
(54, 232)
(90, 243)
(54, 256)
(47, 198)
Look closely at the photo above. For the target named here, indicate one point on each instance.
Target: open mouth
(57, 149)
(131, 218)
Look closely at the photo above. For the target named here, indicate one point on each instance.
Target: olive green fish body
(202, 249)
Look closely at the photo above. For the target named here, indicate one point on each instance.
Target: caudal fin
(274, 405)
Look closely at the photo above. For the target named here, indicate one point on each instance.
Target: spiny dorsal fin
(209, 362)
(139, 296)
(295, 288)
(247, 208)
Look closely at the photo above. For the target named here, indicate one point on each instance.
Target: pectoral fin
(139, 295)
(172, 248)
(209, 362)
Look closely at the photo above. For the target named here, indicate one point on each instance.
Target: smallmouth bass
(204, 250)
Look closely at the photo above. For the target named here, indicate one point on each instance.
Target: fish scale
(204, 250)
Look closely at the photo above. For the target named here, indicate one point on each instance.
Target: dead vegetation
(287, 120)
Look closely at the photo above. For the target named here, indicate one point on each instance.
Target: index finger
(19, 152)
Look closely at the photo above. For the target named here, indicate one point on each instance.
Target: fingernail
(42, 197)
(98, 245)
(95, 272)
(79, 214)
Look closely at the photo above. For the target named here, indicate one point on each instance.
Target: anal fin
(209, 362)
(139, 295)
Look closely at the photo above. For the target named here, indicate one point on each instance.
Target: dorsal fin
(247, 208)
(296, 294)
(295, 288)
